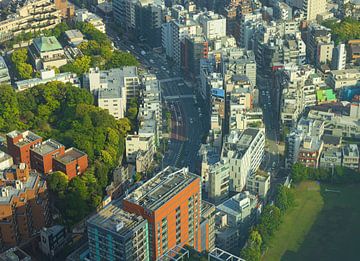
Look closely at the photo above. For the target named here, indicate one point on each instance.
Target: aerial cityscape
(179, 130)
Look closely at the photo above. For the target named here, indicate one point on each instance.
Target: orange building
(73, 162)
(19, 145)
(24, 207)
(41, 155)
(171, 203)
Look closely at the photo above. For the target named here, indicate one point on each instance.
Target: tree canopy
(67, 114)
(347, 29)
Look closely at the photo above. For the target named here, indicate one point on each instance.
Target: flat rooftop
(110, 93)
(47, 147)
(70, 155)
(162, 187)
(116, 220)
(14, 254)
(71, 34)
(27, 137)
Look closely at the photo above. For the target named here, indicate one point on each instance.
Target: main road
(187, 124)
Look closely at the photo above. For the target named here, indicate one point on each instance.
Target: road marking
(170, 79)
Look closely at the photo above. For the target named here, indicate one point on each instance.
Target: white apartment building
(83, 15)
(339, 57)
(174, 32)
(135, 144)
(30, 16)
(48, 76)
(244, 151)
(218, 189)
(258, 184)
(213, 25)
(112, 100)
(338, 79)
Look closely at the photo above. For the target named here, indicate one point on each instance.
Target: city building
(83, 15)
(48, 76)
(339, 79)
(125, 78)
(353, 50)
(207, 226)
(52, 240)
(24, 206)
(47, 53)
(135, 144)
(67, 9)
(29, 17)
(171, 203)
(114, 234)
(331, 157)
(244, 151)
(41, 155)
(74, 37)
(351, 156)
(213, 25)
(310, 151)
(19, 145)
(6, 161)
(339, 57)
(238, 214)
(258, 183)
(141, 19)
(194, 49)
(112, 100)
(15, 253)
(73, 162)
(4, 71)
(218, 188)
(313, 8)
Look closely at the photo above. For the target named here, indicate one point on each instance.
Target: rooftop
(327, 95)
(109, 93)
(239, 203)
(115, 220)
(70, 155)
(47, 147)
(47, 44)
(71, 34)
(27, 137)
(14, 254)
(14, 188)
(162, 187)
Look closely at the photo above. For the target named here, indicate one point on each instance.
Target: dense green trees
(67, 114)
(337, 174)
(19, 60)
(269, 222)
(346, 30)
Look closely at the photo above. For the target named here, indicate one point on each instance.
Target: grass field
(324, 225)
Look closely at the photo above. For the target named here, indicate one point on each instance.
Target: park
(323, 225)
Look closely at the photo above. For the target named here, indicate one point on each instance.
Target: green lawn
(323, 225)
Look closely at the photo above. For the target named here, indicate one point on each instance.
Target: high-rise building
(339, 57)
(24, 207)
(171, 203)
(114, 234)
(312, 8)
(29, 16)
(218, 181)
(244, 151)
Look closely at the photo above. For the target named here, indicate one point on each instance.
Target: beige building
(258, 183)
(312, 8)
(351, 156)
(112, 100)
(32, 16)
(218, 182)
(139, 150)
(47, 53)
(343, 78)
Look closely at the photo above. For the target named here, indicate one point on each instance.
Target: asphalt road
(271, 162)
(187, 126)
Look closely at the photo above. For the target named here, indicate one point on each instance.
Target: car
(132, 47)
(143, 52)
(151, 61)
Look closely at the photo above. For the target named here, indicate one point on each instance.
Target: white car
(132, 47)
